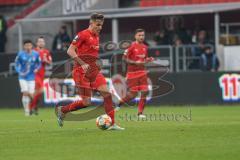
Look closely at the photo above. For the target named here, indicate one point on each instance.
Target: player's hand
(99, 64)
(45, 59)
(85, 67)
(149, 59)
(35, 71)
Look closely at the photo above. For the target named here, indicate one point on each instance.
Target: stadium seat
(14, 2)
(180, 2)
(170, 2)
(196, 1)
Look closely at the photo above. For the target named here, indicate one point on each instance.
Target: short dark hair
(139, 30)
(97, 16)
(27, 41)
(207, 48)
(40, 37)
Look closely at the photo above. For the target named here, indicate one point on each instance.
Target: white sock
(26, 102)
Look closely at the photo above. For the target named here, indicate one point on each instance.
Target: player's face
(140, 36)
(28, 47)
(97, 26)
(40, 43)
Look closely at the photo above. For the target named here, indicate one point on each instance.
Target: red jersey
(136, 52)
(87, 44)
(44, 54)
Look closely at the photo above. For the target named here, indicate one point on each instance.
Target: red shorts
(39, 82)
(83, 85)
(138, 83)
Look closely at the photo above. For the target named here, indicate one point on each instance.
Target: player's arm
(48, 58)
(38, 64)
(17, 63)
(72, 53)
(149, 59)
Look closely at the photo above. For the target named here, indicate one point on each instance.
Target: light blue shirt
(26, 63)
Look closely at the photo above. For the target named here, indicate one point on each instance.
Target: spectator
(202, 41)
(3, 30)
(194, 37)
(184, 35)
(178, 42)
(209, 60)
(62, 40)
(160, 38)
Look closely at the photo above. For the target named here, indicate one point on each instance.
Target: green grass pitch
(207, 133)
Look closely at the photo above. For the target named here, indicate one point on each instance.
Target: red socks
(141, 105)
(35, 101)
(108, 105)
(73, 106)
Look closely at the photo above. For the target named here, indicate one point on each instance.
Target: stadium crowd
(198, 38)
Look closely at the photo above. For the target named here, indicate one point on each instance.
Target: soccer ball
(103, 122)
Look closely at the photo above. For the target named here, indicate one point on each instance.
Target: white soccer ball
(103, 122)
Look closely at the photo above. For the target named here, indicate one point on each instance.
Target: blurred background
(197, 40)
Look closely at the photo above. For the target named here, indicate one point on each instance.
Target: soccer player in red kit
(46, 59)
(86, 71)
(136, 57)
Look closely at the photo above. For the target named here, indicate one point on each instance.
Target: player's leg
(85, 93)
(61, 111)
(101, 86)
(143, 87)
(108, 104)
(131, 94)
(132, 85)
(37, 94)
(83, 88)
(25, 96)
(142, 103)
(31, 91)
